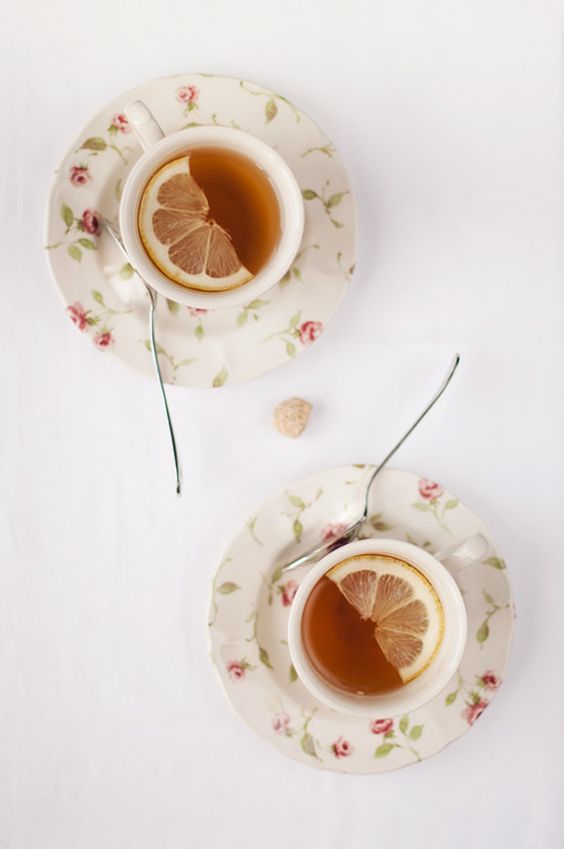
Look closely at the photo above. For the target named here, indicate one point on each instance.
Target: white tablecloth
(113, 729)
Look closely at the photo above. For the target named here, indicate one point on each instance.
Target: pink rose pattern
(473, 711)
(120, 124)
(404, 737)
(431, 494)
(392, 738)
(381, 726)
(430, 490)
(197, 311)
(342, 748)
(333, 531)
(490, 680)
(476, 704)
(236, 669)
(309, 331)
(280, 723)
(474, 701)
(90, 222)
(73, 236)
(288, 591)
(103, 339)
(78, 315)
(79, 175)
(84, 319)
(188, 94)
(306, 332)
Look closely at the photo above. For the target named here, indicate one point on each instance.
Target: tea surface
(242, 201)
(340, 644)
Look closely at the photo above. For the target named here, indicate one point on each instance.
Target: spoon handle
(390, 454)
(155, 355)
(352, 531)
(113, 231)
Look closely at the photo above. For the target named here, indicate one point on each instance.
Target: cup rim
(288, 194)
(409, 697)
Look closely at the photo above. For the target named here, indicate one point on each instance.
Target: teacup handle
(460, 555)
(143, 124)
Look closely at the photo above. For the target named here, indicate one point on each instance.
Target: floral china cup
(431, 681)
(159, 149)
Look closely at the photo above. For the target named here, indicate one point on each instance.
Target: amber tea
(209, 219)
(340, 644)
(371, 624)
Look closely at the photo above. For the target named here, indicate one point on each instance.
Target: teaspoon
(113, 231)
(316, 553)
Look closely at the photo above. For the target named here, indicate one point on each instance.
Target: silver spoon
(113, 231)
(353, 530)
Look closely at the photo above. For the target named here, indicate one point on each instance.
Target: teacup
(159, 149)
(438, 570)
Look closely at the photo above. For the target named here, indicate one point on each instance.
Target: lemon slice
(179, 238)
(406, 610)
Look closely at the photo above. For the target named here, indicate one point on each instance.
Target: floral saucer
(249, 617)
(106, 300)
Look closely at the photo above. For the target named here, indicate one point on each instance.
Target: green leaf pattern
(296, 508)
(378, 524)
(329, 201)
(251, 310)
(220, 378)
(473, 695)
(95, 145)
(483, 632)
(73, 240)
(495, 562)
(409, 735)
(67, 215)
(228, 587)
(383, 750)
(251, 524)
(263, 654)
(173, 364)
(126, 272)
(74, 252)
(270, 110)
(325, 149)
(437, 505)
(270, 107)
(294, 272)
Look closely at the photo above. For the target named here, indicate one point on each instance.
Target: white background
(113, 729)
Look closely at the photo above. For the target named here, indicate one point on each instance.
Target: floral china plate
(249, 617)
(106, 300)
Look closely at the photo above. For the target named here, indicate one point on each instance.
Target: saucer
(250, 603)
(108, 303)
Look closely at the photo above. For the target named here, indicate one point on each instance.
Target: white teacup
(436, 676)
(158, 150)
